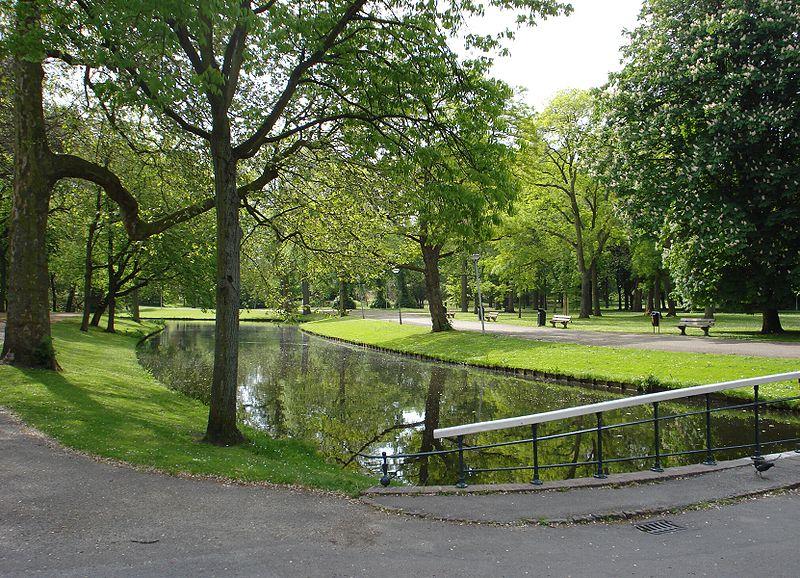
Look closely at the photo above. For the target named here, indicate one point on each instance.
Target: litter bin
(655, 317)
(541, 317)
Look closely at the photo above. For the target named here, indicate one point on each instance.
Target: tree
(249, 84)
(565, 196)
(707, 139)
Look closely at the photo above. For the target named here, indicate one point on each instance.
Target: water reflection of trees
(349, 400)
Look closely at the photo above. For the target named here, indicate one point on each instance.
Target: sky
(575, 51)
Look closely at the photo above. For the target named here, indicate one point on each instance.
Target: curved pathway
(661, 342)
(67, 515)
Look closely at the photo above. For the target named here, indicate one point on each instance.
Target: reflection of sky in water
(347, 399)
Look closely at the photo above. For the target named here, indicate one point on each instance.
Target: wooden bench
(491, 315)
(562, 319)
(704, 324)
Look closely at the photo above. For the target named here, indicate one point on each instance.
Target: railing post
(709, 461)
(656, 439)
(462, 480)
(599, 473)
(535, 435)
(757, 422)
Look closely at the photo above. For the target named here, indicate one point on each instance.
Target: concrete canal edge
(628, 496)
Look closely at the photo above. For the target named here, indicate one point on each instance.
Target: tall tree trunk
(464, 287)
(636, 299)
(3, 271)
(650, 307)
(671, 304)
(342, 297)
(657, 290)
(771, 322)
(69, 305)
(595, 291)
(708, 312)
(306, 291)
(112, 312)
(88, 270)
(433, 290)
(135, 313)
(27, 338)
(586, 294)
(508, 305)
(53, 293)
(222, 428)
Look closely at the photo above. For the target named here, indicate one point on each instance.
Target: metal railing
(599, 461)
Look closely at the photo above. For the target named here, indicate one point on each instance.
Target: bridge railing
(599, 462)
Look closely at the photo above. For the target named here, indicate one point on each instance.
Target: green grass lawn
(730, 325)
(106, 404)
(664, 368)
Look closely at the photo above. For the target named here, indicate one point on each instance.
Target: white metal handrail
(605, 406)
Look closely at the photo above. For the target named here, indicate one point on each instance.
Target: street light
(396, 271)
(363, 298)
(475, 258)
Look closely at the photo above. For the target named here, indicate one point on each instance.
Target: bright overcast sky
(575, 51)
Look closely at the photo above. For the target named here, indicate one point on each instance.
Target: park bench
(562, 319)
(491, 315)
(704, 324)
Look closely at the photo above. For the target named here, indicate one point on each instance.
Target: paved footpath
(586, 499)
(66, 515)
(661, 342)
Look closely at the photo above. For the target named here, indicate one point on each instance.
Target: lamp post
(396, 271)
(475, 258)
(363, 298)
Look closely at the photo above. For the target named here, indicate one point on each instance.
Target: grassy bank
(637, 367)
(105, 403)
(188, 313)
(728, 325)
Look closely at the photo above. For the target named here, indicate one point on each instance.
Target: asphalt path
(660, 342)
(63, 514)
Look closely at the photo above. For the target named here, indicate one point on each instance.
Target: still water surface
(348, 400)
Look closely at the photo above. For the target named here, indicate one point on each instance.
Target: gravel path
(66, 515)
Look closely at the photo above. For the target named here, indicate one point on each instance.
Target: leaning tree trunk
(222, 429)
(595, 291)
(586, 294)
(771, 322)
(27, 339)
(433, 290)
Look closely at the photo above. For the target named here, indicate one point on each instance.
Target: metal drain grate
(657, 527)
